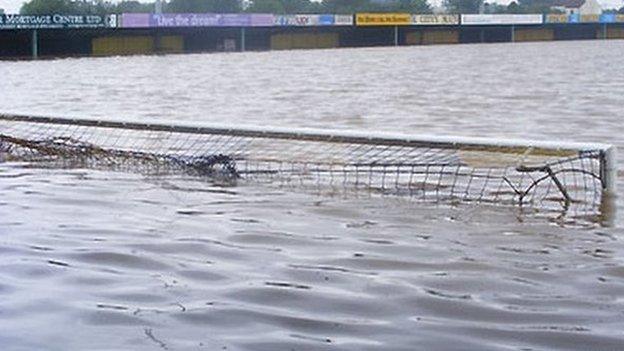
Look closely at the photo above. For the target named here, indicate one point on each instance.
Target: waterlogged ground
(99, 260)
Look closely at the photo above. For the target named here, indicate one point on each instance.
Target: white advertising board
(343, 20)
(304, 20)
(501, 19)
(432, 20)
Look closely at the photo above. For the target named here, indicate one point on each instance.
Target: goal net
(559, 176)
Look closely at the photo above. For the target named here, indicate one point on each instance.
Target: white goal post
(538, 173)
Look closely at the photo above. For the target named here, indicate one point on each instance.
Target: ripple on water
(99, 260)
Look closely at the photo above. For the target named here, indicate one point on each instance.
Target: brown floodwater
(102, 260)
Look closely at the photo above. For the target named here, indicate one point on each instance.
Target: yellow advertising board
(590, 18)
(556, 18)
(383, 19)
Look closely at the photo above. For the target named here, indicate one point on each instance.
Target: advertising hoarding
(432, 20)
(146, 20)
(134, 20)
(304, 20)
(576, 18)
(326, 20)
(590, 18)
(343, 20)
(261, 20)
(556, 18)
(607, 18)
(500, 19)
(383, 19)
(57, 21)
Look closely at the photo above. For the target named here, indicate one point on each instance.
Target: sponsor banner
(145, 20)
(184, 20)
(293, 20)
(326, 20)
(552, 18)
(619, 18)
(590, 18)
(304, 20)
(500, 19)
(56, 21)
(135, 20)
(113, 21)
(607, 18)
(383, 19)
(343, 20)
(198, 20)
(435, 20)
(576, 18)
(261, 20)
(234, 20)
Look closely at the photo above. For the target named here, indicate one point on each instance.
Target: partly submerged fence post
(242, 46)
(158, 43)
(396, 35)
(35, 44)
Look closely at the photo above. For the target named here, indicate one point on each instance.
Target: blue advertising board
(326, 20)
(607, 18)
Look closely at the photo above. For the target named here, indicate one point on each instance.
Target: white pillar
(610, 170)
(608, 203)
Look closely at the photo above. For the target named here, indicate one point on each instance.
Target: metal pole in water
(396, 35)
(35, 44)
(513, 33)
(242, 47)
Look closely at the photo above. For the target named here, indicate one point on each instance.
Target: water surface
(91, 259)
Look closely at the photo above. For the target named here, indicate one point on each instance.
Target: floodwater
(98, 260)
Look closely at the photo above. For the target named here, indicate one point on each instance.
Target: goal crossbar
(464, 168)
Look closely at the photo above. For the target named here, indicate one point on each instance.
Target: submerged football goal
(550, 175)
